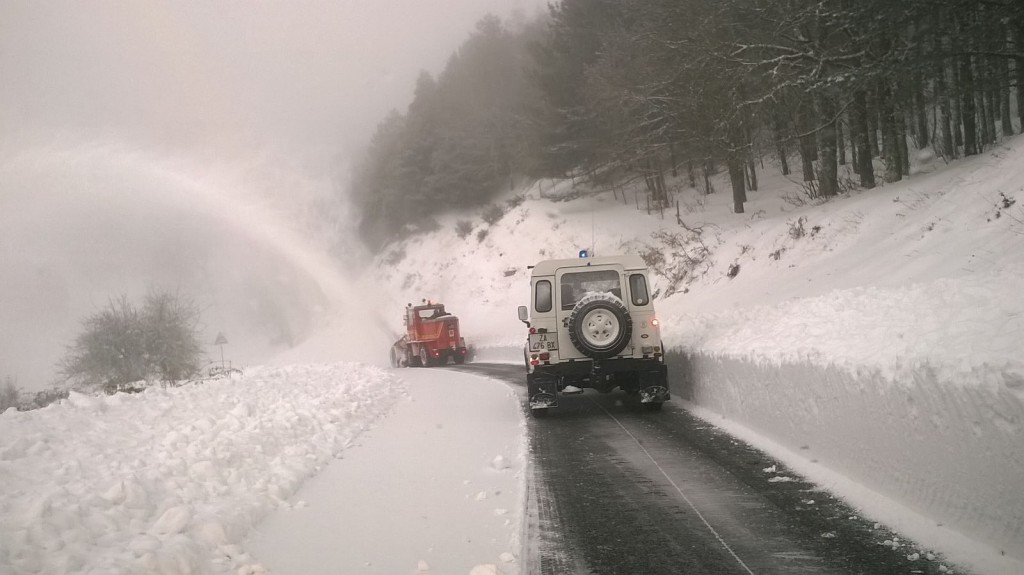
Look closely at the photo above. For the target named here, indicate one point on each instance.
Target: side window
(638, 289)
(542, 296)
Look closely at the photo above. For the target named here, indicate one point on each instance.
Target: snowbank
(949, 452)
(169, 480)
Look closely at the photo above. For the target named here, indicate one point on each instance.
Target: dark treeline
(646, 88)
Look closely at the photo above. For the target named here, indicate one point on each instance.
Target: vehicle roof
(433, 305)
(627, 261)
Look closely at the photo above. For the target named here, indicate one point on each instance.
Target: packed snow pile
(881, 328)
(170, 480)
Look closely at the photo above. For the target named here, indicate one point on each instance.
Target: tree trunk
(751, 174)
(736, 177)
(967, 105)
(828, 176)
(1004, 97)
(859, 137)
(708, 168)
(654, 178)
(956, 96)
(780, 149)
(1018, 65)
(871, 115)
(892, 150)
(947, 149)
(840, 139)
(805, 160)
(985, 115)
(808, 148)
(901, 139)
(810, 123)
(920, 113)
(854, 160)
(985, 105)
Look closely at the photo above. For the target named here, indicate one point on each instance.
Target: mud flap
(654, 385)
(541, 391)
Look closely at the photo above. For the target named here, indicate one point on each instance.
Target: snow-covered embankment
(918, 419)
(170, 480)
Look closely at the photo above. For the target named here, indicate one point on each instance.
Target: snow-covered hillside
(873, 341)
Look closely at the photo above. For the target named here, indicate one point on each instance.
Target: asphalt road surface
(617, 490)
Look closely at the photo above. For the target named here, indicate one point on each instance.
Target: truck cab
(432, 337)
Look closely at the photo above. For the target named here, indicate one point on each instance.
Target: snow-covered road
(435, 488)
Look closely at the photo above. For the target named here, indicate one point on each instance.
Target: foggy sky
(195, 147)
(310, 76)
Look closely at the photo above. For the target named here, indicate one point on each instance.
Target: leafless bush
(10, 395)
(493, 214)
(122, 345)
(481, 236)
(46, 397)
(845, 185)
(463, 228)
(810, 189)
(515, 201)
(678, 257)
(796, 229)
(170, 326)
(1003, 206)
(795, 200)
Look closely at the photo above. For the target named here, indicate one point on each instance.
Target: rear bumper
(648, 377)
(445, 353)
(610, 366)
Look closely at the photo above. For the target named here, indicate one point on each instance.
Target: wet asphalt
(616, 490)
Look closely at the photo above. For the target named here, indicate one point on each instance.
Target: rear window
(577, 284)
(638, 289)
(542, 296)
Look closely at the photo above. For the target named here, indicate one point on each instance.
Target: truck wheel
(539, 412)
(411, 360)
(653, 406)
(424, 357)
(600, 326)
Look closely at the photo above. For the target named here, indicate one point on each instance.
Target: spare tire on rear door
(600, 326)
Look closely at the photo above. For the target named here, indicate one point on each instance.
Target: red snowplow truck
(431, 338)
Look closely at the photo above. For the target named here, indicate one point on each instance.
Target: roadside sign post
(221, 341)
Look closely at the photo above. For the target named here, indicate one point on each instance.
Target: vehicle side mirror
(524, 315)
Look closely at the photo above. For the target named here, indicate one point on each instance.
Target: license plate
(543, 342)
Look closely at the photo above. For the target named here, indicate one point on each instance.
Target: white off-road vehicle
(592, 325)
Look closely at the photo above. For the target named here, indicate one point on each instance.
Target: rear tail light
(655, 322)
